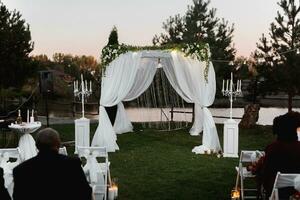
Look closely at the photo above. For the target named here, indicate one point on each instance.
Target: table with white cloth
(26, 143)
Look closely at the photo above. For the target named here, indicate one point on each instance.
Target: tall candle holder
(231, 129)
(82, 91)
(230, 90)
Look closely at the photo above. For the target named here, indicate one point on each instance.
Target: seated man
(3, 191)
(50, 175)
(283, 155)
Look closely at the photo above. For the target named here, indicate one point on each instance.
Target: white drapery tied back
(297, 183)
(128, 76)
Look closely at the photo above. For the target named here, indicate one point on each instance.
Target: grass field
(156, 165)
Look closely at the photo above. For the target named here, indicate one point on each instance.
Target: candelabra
(231, 129)
(231, 91)
(82, 91)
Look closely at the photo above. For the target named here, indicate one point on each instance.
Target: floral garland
(197, 51)
(111, 52)
(200, 52)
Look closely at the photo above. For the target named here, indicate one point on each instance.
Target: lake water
(266, 115)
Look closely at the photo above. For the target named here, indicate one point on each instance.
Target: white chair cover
(63, 151)
(96, 172)
(285, 180)
(8, 166)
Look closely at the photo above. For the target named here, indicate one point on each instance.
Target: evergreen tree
(15, 46)
(281, 69)
(113, 37)
(200, 24)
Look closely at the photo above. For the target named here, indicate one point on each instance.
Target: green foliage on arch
(199, 51)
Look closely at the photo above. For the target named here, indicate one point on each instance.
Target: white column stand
(231, 138)
(82, 133)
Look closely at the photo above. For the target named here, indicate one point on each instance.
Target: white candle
(240, 85)
(237, 85)
(111, 193)
(86, 86)
(223, 86)
(227, 82)
(27, 115)
(32, 117)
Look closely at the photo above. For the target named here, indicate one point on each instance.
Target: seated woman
(282, 155)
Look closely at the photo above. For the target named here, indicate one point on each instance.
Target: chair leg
(242, 188)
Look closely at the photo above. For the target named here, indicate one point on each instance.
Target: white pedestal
(82, 133)
(231, 138)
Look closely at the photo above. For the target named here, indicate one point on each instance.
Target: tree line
(272, 68)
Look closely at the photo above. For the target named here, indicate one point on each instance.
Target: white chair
(284, 180)
(97, 172)
(246, 157)
(6, 156)
(9, 159)
(63, 151)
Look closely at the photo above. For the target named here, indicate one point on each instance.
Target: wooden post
(172, 113)
(73, 108)
(193, 115)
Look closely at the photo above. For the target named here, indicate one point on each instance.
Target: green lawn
(160, 165)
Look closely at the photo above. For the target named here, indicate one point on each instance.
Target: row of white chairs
(14, 153)
(96, 169)
(246, 157)
(281, 181)
(9, 159)
(97, 172)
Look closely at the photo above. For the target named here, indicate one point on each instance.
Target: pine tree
(15, 46)
(200, 24)
(281, 69)
(113, 37)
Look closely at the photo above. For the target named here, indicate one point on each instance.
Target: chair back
(283, 180)
(63, 151)
(7, 153)
(246, 157)
(250, 156)
(96, 171)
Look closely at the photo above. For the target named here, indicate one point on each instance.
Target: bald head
(48, 139)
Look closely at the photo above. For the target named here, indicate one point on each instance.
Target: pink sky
(82, 26)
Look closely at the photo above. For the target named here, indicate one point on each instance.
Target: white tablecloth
(26, 142)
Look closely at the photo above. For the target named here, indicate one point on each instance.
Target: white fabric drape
(126, 78)
(122, 122)
(119, 78)
(186, 75)
(143, 79)
(131, 74)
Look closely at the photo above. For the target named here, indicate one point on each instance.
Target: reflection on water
(266, 115)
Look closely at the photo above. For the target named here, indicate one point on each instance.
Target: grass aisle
(158, 165)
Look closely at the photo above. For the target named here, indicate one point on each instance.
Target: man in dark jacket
(50, 175)
(3, 191)
(282, 155)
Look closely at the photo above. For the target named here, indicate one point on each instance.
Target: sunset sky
(82, 26)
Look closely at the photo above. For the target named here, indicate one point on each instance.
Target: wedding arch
(131, 73)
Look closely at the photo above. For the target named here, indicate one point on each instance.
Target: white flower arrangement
(200, 52)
